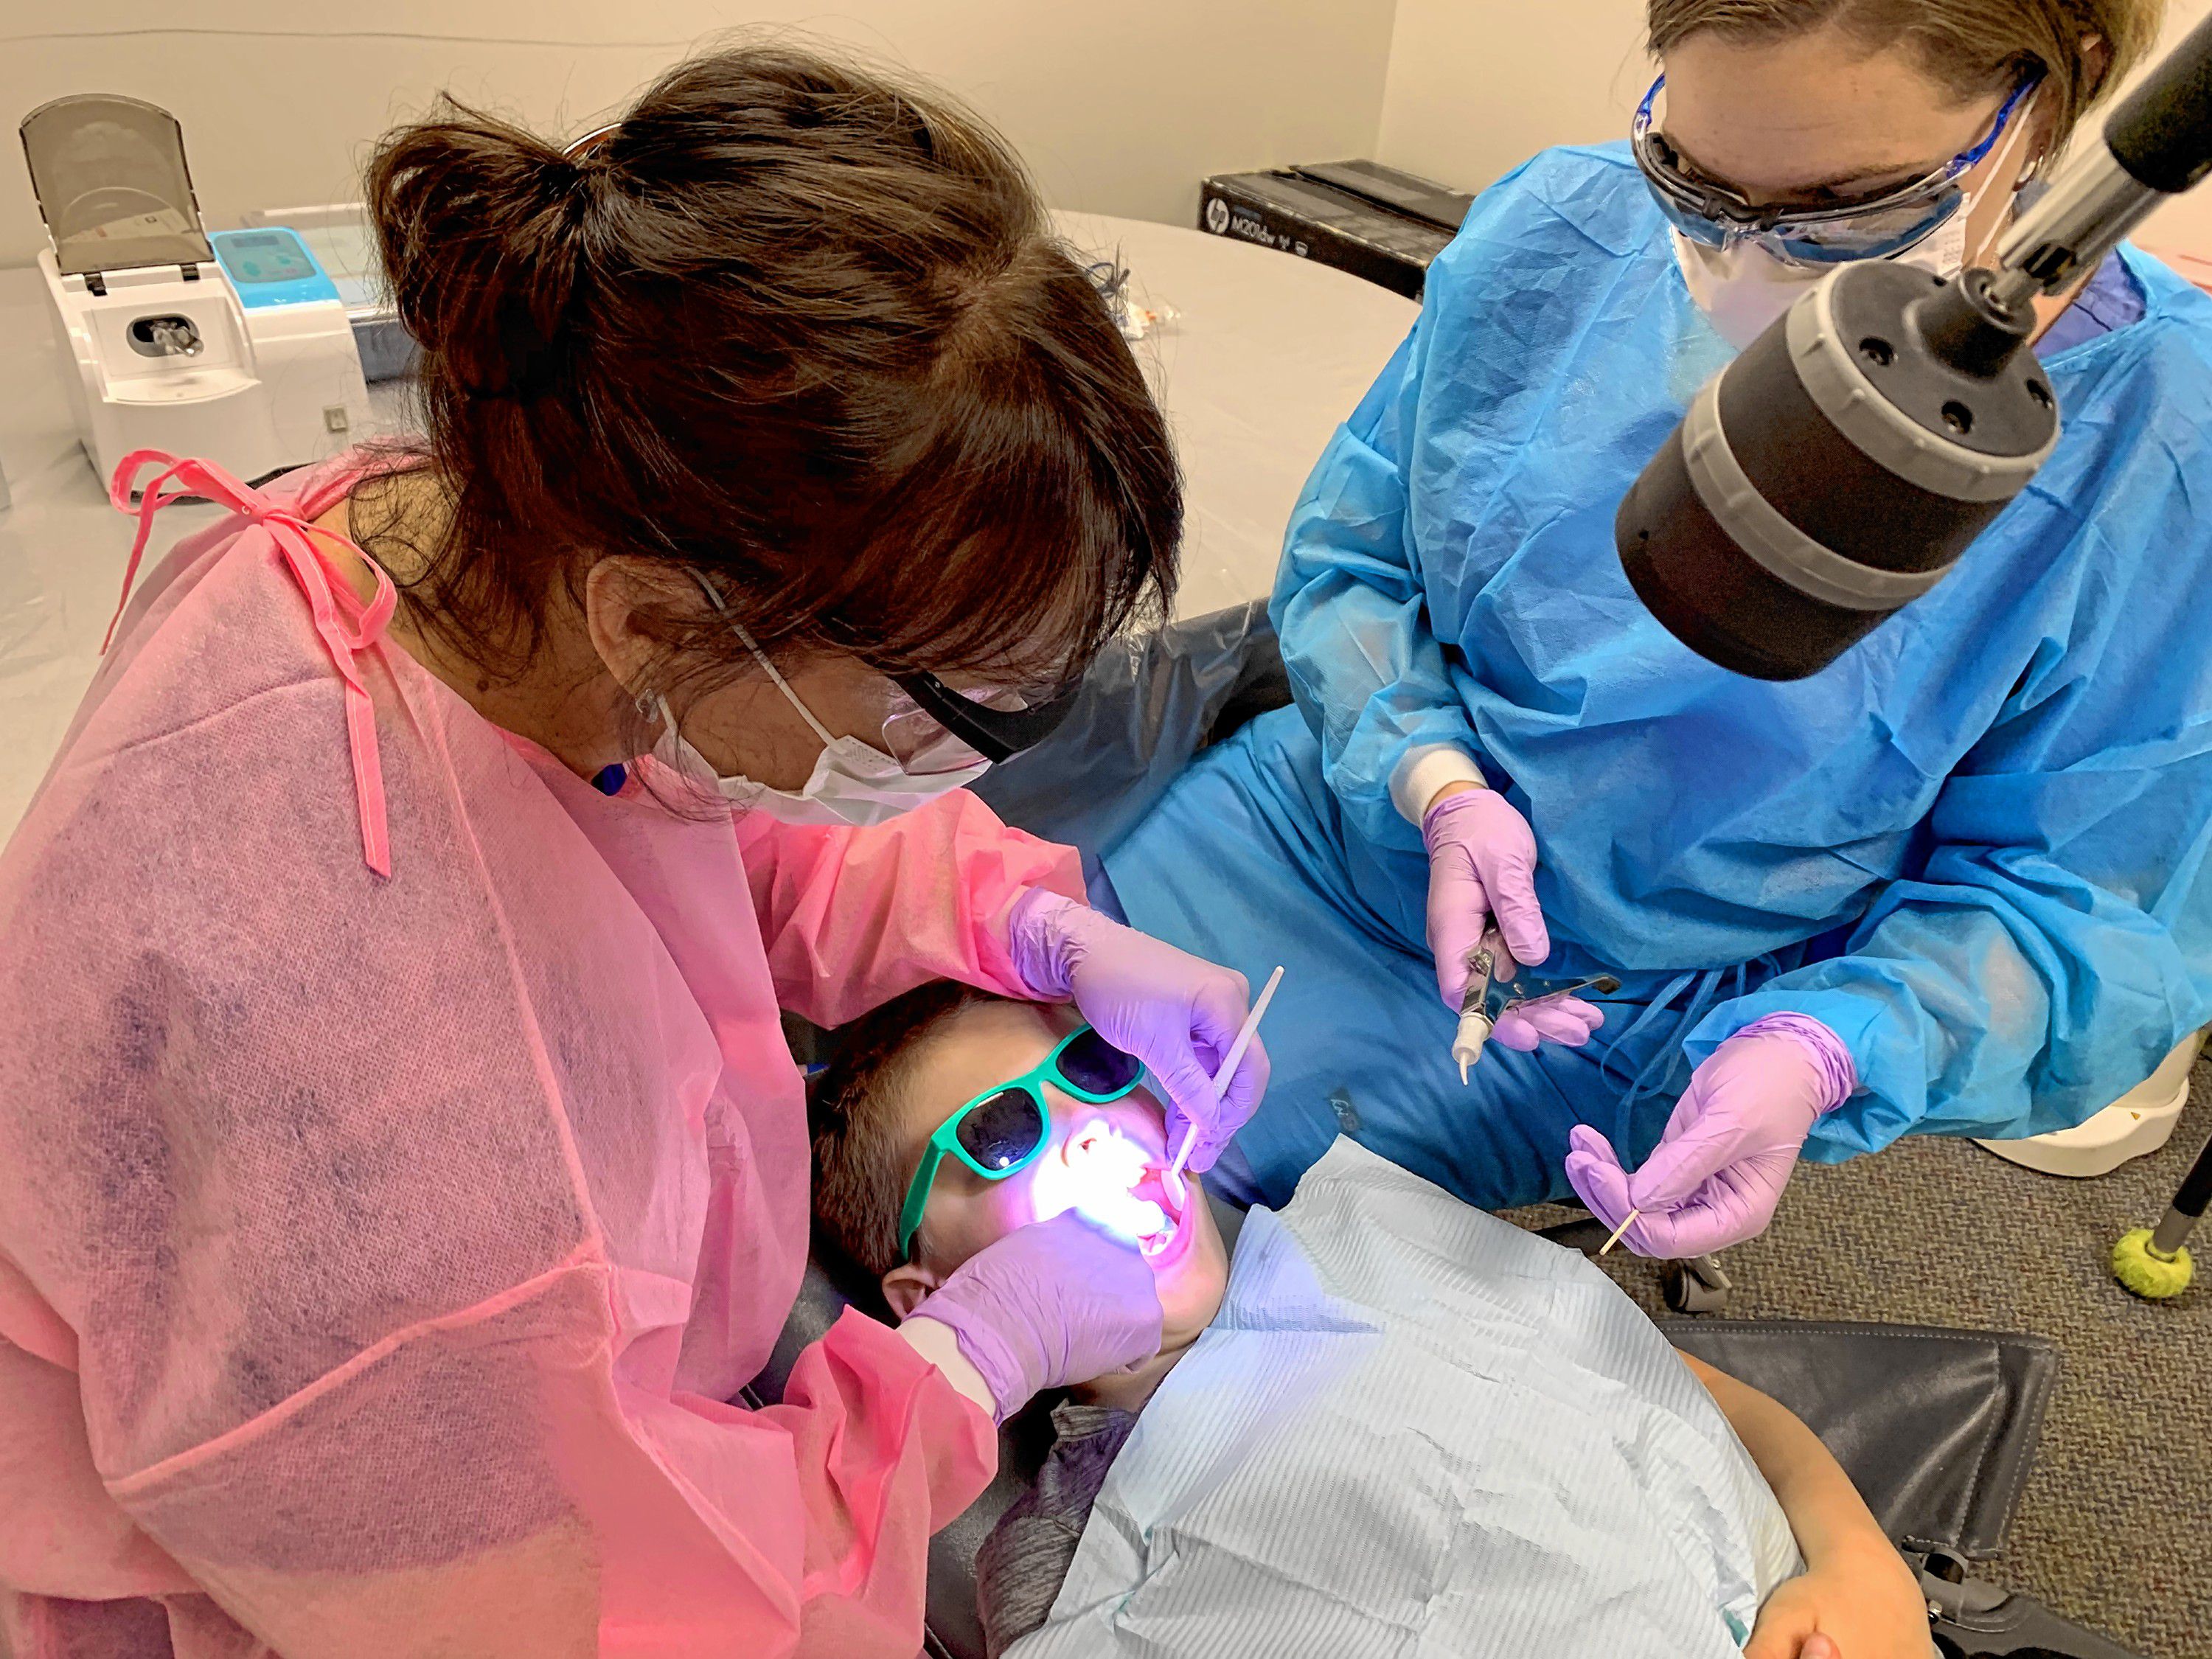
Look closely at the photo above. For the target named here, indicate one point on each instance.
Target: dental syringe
(1495, 988)
(1475, 1024)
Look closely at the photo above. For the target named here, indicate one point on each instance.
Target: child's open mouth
(1166, 1247)
(1120, 1186)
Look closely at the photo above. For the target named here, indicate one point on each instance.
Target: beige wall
(2187, 224)
(1476, 86)
(1121, 107)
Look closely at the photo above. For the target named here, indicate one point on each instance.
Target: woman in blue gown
(1956, 882)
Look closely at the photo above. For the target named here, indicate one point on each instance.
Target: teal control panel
(272, 266)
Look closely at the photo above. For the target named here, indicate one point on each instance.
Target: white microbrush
(1173, 1180)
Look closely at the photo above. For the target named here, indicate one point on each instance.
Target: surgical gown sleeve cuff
(875, 1400)
(1884, 1106)
(1425, 768)
(851, 918)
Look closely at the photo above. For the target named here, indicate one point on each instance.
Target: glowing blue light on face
(1096, 1174)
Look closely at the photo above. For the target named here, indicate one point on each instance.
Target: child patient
(1397, 1424)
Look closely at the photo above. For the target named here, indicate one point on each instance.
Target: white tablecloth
(1268, 354)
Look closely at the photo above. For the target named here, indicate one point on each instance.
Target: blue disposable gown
(1975, 846)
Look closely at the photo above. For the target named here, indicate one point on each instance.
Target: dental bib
(1414, 1429)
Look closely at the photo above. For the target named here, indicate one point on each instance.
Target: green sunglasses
(1002, 1131)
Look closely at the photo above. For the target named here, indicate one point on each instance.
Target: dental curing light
(1837, 469)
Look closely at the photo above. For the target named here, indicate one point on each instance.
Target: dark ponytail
(478, 225)
(790, 324)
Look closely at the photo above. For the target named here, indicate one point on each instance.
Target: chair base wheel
(1695, 1287)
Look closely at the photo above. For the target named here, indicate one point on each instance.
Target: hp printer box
(1372, 221)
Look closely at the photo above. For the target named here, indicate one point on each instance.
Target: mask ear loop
(761, 657)
(781, 685)
(2029, 174)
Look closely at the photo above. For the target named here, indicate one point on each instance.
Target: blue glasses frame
(1882, 225)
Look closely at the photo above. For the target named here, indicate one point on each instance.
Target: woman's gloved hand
(1177, 1013)
(1054, 1303)
(1482, 872)
(1718, 1171)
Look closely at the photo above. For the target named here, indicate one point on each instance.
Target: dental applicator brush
(1173, 1180)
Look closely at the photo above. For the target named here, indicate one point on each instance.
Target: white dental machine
(234, 348)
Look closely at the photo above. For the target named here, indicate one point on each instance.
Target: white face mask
(1740, 289)
(853, 782)
(1743, 288)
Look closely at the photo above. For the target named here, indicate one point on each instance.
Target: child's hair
(855, 1108)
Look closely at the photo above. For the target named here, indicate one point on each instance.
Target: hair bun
(477, 222)
(792, 326)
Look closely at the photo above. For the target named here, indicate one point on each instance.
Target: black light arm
(1837, 470)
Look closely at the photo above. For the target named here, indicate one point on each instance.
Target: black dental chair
(1938, 1428)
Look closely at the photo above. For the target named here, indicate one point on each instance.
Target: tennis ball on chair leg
(2147, 1275)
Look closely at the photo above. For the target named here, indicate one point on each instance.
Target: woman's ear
(620, 594)
(2096, 65)
(905, 1286)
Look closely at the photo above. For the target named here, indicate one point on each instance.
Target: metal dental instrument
(1173, 1181)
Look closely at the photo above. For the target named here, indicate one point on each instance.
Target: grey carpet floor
(1939, 1232)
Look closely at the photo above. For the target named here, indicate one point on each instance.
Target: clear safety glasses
(1002, 1131)
(931, 728)
(1713, 217)
(989, 725)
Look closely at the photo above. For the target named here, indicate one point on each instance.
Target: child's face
(1106, 1160)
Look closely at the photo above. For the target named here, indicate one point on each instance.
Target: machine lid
(110, 176)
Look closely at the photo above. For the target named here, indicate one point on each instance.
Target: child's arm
(1856, 1589)
(1825, 1510)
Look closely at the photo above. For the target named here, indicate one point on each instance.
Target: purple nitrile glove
(1718, 1171)
(1054, 1303)
(1177, 1013)
(1482, 872)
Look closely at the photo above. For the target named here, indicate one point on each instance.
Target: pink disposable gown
(376, 1254)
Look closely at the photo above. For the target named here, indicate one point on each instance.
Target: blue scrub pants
(1244, 861)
